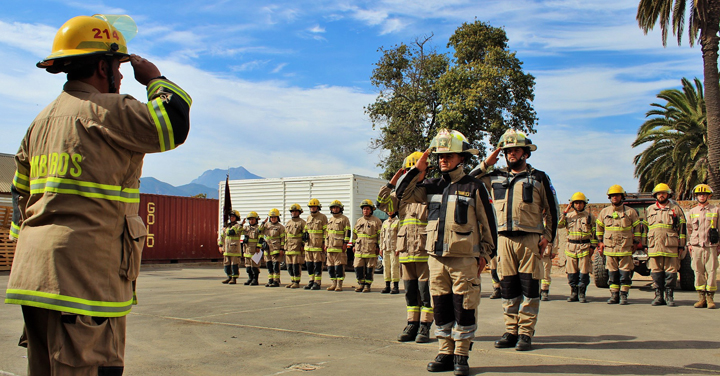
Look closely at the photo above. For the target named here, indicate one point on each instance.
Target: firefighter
(252, 233)
(338, 236)
(79, 234)
(229, 246)
(619, 231)
(666, 235)
(527, 217)
(388, 245)
(366, 234)
(703, 245)
(496, 294)
(294, 230)
(410, 246)
(461, 239)
(581, 243)
(315, 234)
(273, 243)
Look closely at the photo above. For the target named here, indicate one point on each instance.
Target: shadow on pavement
(588, 369)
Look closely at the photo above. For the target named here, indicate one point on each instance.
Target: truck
(640, 202)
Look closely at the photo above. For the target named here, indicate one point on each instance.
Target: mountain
(207, 183)
(211, 178)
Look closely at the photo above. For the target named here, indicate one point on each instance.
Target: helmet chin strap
(110, 75)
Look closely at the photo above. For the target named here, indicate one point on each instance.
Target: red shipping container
(180, 229)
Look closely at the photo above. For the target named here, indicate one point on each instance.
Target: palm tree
(678, 151)
(703, 25)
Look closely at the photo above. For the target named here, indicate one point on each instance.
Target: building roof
(7, 172)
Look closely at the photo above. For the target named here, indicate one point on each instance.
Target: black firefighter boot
(669, 298)
(249, 272)
(442, 363)
(497, 293)
(545, 295)
(228, 272)
(386, 289)
(460, 365)
(573, 294)
(659, 284)
(573, 280)
(614, 297)
(311, 271)
(623, 297)
(396, 288)
(423, 334)
(581, 294)
(256, 275)
(410, 332)
(670, 282)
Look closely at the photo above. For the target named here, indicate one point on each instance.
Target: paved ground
(187, 323)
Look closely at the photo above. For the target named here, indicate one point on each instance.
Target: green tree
(703, 26)
(482, 92)
(676, 133)
(486, 91)
(407, 106)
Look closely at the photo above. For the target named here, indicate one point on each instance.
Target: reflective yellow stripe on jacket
(68, 304)
(21, 182)
(85, 189)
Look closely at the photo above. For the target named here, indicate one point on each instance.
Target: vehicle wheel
(600, 274)
(687, 275)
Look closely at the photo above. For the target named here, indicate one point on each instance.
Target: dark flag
(227, 208)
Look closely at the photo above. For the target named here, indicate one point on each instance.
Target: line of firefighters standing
(444, 231)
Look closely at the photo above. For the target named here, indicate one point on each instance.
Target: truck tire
(600, 274)
(686, 274)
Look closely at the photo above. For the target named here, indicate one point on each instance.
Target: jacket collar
(76, 85)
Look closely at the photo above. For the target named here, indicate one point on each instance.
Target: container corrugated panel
(261, 195)
(179, 228)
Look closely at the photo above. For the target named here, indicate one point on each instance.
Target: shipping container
(261, 195)
(180, 229)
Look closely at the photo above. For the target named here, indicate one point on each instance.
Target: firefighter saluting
(581, 243)
(80, 236)
(461, 238)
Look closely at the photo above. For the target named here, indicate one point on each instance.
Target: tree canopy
(481, 91)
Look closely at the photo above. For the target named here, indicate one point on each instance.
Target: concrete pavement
(187, 323)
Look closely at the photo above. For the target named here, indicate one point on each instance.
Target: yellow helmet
(85, 36)
(702, 188)
(578, 196)
(274, 213)
(515, 139)
(314, 202)
(235, 213)
(253, 215)
(616, 189)
(449, 141)
(412, 159)
(297, 207)
(662, 187)
(337, 203)
(367, 202)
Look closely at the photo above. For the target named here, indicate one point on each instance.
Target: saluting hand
(493, 157)
(145, 70)
(422, 164)
(397, 176)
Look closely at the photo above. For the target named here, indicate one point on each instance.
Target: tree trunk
(709, 42)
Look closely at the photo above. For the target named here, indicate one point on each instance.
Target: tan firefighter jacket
(366, 234)
(294, 230)
(316, 227)
(388, 235)
(252, 233)
(619, 229)
(274, 235)
(77, 189)
(338, 232)
(461, 222)
(580, 232)
(702, 218)
(522, 201)
(230, 239)
(412, 223)
(666, 229)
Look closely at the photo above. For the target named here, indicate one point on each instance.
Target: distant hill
(211, 178)
(207, 183)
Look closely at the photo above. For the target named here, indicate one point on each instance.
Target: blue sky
(279, 86)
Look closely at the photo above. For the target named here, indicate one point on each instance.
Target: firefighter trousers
(619, 272)
(455, 291)
(705, 265)
(391, 266)
(520, 270)
(62, 344)
(416, 277)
